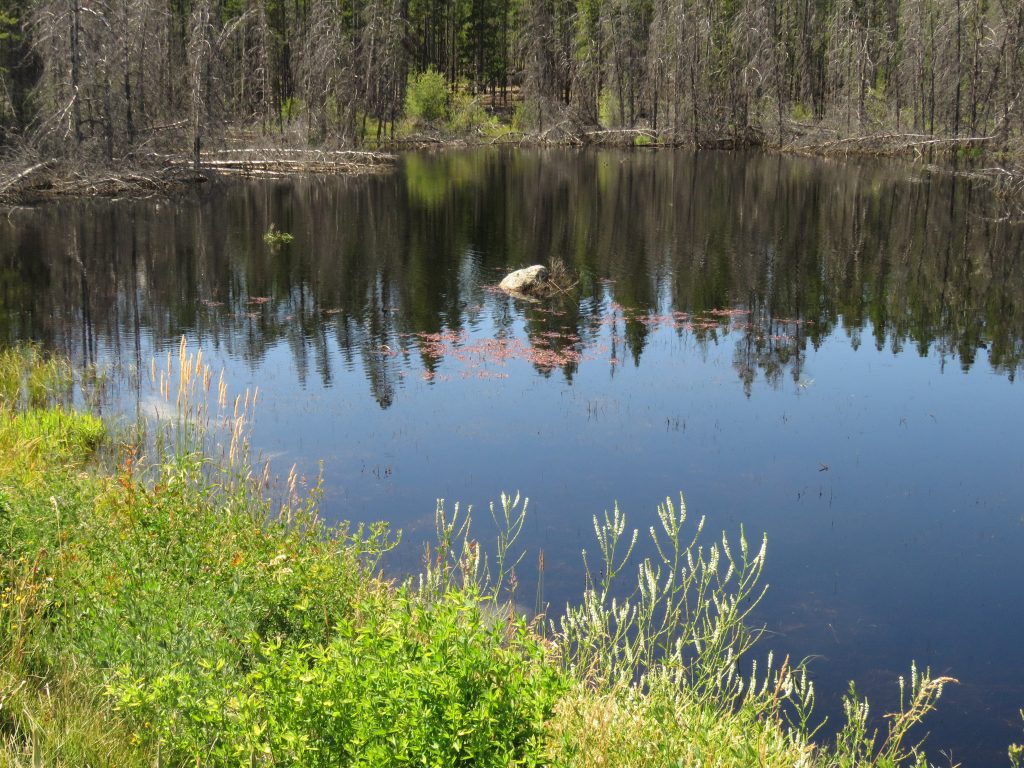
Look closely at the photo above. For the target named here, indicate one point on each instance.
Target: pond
(823, 351)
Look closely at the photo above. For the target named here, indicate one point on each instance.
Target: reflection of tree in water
(770, 345)
(379, 264)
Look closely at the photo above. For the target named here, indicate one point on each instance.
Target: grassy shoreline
(161, 609)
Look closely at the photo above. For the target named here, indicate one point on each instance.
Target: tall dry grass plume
(195, 420)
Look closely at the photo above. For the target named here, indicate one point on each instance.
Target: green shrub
(292, 108)
(409, 682)
(800, 113)
(426, 96)
(520, 118)
(274, 236)
(177, 611)
(609, 110)
(970, 152)
(468, 114)
(1016, 751)
(8, 28)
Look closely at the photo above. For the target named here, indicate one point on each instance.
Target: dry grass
(622, 728)
(560, 276)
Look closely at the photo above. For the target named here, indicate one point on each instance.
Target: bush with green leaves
(407, 682)
(426, 96)
(275, 237)
(1016, 751)
(468, 114)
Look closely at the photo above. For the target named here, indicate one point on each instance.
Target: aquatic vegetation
(28, 377)
(275, 237)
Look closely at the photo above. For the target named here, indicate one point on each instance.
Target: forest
(116, 79)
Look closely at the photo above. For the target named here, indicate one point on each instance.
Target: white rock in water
(528, 280)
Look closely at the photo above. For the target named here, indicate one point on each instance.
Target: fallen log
(8, 183)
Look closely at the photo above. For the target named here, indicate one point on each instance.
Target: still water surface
(823, 351)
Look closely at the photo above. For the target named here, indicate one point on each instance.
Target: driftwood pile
(286, 162)
(47, 180)
(31, 181)
(1007, 186)
(917, 145)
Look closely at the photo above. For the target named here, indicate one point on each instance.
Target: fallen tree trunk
(10, 182)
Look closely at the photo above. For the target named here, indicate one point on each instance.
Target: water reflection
(801, 246)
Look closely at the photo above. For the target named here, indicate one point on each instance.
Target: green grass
(30, 378)
(164, 611)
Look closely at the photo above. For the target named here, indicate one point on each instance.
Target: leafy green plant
(8, 30)
(221, 630)
(520, 117)
(275, 237)
(686, 613)
(1016, 751)
(292, 108)
(407, 682)
(426, 96)
(799, 112)
(609, 109)
(970, 152)
(467, 114)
